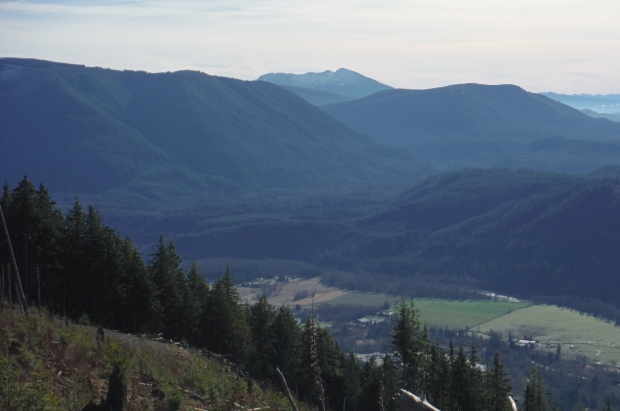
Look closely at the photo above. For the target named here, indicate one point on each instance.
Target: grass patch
(442, 313)
(596, 339)
(464, 314)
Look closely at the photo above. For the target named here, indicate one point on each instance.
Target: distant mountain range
(608, 116)
(601, 103)
(473, 125)
(344, 84)
(233, 169)
(89, 130)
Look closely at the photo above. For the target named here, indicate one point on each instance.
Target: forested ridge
(90, 274)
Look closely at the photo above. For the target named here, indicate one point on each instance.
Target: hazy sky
(565, 46)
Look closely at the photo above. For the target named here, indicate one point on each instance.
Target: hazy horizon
(564, 47)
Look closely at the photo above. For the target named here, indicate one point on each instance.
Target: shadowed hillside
(471, 125)
(88, 130)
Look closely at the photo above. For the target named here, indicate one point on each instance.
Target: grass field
(596, 339)
(444, 313)
(462, 314)
(588, 336)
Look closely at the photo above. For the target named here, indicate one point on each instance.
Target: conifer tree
(409, 344)
(171, 289)
(371, 398)
(460, 391)
(228, 331)
(137, 307)
(534, 398)
(74, 262)
(391, 387)
(475, 380)
(285, 350)
(438, 381)
(498, 387)
(196, 305)
(24, 221)
(262, 315)
(352, 382)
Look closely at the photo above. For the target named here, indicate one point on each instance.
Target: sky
(564, 46)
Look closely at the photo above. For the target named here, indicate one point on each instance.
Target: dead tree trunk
(286, 390)
(18, 284)
(117, 394)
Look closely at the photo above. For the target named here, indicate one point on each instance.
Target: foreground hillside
(169, 135)
(49, 364)
(469, 125)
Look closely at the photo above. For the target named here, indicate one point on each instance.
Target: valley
(581, 336)
(329, 188)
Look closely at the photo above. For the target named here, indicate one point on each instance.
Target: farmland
(578, 334)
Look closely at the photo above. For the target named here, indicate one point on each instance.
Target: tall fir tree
(196, 305)
(498, 387)
(409, 344)
(534, 398)
(171, 289)
(262, 316)
(228, 331)
(285, 350)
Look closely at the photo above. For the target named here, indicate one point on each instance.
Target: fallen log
(411, 402)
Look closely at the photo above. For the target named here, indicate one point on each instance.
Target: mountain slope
(517, 232)
(469, 124)
(615, 116)
(318, 97)
(342, 81)
(87, 130)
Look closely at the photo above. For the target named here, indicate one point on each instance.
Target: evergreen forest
(76, 267)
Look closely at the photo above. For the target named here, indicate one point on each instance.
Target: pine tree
(371, 398)
(409, 344)
(137, 307)
(228, 331)
(391, 387)
(23, 222)
(460, 393)
(607, 406)
(534, 398)
(475, 380)
(498, 387)
(171, 289)
(438, 381)
(262, 315)
(196, 304)
(74, 261)
(352, 382)
(285, 350)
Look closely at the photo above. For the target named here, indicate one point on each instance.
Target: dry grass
(49, 364)
(285, 292)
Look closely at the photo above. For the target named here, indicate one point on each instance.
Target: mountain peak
(343, 81)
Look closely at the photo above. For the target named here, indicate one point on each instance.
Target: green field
(462, 314)
(578, 334)
(443, 313)
(596, 339)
